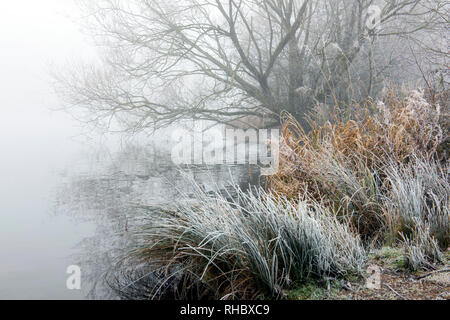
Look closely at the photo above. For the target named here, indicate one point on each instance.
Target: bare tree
(228, 60)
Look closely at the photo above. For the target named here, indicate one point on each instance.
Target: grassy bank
(344, 190)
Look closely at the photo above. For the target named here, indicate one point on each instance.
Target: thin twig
(431, 273)
(398, 294)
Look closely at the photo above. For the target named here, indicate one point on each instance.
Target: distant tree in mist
(230, 60)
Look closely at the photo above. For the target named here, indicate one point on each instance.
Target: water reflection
(112, 189)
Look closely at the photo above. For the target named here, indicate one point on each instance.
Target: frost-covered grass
(255, 244)
(373, 182)
(421, 250)
(417, 202)
(384, 172)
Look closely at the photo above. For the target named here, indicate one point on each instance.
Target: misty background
(67, 191)
(36, 144)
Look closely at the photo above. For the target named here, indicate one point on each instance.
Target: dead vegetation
(382, 169)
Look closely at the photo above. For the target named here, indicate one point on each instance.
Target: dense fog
(36, 144)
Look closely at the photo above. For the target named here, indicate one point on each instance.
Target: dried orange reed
(346, 164)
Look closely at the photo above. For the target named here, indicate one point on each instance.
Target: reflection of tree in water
(114, 192)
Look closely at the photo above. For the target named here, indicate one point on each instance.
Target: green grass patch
(314, 291)
(389, 257)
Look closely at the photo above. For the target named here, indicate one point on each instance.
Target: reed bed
(385, 171)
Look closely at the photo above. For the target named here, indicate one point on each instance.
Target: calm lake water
(35, 244)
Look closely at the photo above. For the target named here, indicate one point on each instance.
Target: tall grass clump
(419, 194)
(421, 251)
(254, 245)
(384, 170)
